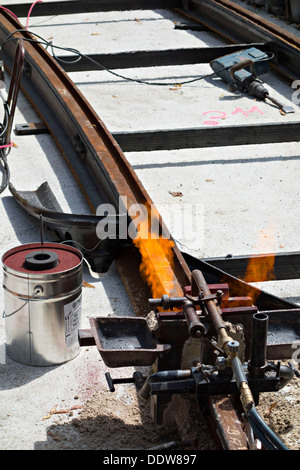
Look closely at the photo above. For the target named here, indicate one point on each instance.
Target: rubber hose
(260, 435)
(261, 426)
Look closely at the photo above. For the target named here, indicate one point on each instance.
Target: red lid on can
(49, 258)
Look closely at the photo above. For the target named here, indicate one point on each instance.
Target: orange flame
(261, 268)
(157, 266)
(157, 260)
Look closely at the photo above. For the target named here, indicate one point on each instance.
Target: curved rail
(93, 155)
(239, 25)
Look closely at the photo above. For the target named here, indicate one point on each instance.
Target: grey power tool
(241, 69)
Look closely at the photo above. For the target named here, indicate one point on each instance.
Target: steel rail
(216, 136)
(237, 24)
(258, 20)
(156, 58)
(87, 145)
(71, 121)
(93, 155)
(96, 160)
(226, 18)
(66, 7)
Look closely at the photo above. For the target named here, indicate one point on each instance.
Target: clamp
(188, 305)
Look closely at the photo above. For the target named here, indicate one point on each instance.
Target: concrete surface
(247, 197)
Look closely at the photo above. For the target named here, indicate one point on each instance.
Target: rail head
(95, 158)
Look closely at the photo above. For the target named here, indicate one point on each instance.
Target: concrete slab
(246, 199)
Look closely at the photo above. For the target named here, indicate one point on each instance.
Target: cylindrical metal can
(42, 303)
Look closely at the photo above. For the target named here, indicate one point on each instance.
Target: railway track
(97, 160)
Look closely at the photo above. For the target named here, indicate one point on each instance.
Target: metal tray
(125, 341)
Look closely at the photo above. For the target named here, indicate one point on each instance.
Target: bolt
(221, 363)
(233, 346)
(219, 296)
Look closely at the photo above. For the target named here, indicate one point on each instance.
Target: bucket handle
(37, 290)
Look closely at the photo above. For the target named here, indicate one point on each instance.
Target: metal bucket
(42, 303)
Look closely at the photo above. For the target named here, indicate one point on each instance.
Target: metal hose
(267, 437)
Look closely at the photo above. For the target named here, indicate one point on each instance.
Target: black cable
(4, 168)
(5, 172)
(263, 432)
(79, 55)
(260, 435)
(3, 156)
(4, 124)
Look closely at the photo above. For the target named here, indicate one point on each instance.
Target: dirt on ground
(280, 410)
(123, 421)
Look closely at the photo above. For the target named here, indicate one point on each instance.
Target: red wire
(6, 146)
(30, 10)
(29, 13)
(6, 9)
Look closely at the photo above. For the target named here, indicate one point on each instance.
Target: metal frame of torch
(225, 341)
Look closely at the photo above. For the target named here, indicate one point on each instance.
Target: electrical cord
(79, 55)
(30, 10)
(4, 150)
(145, 82)
(90, 250)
